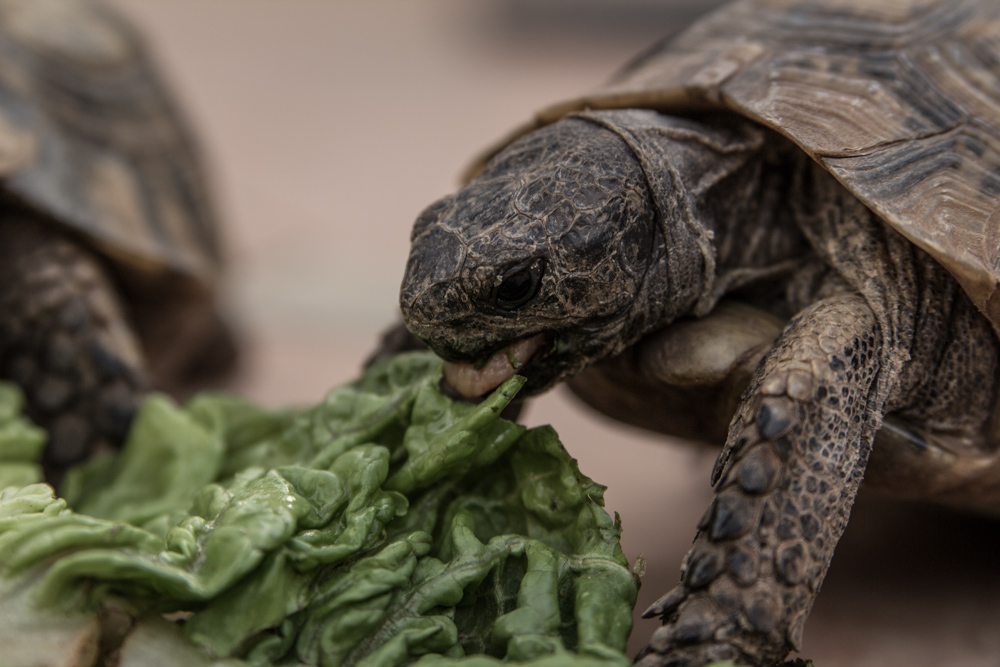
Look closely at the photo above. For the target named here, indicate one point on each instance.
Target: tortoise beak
(473, 379)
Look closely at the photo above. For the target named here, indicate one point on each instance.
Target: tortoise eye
(518, 285)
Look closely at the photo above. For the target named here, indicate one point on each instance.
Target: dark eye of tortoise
(518, 285)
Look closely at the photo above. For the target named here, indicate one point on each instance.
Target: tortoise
(779, 233)
(109, 249)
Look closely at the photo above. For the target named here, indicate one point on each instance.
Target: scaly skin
(65, 340)
(785, 484)
(874, 327)
(625, 244)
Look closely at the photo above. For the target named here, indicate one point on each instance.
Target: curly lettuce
(387, 525)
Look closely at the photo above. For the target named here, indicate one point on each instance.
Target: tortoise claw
(667, 604)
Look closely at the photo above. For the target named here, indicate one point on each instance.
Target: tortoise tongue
(470, 381)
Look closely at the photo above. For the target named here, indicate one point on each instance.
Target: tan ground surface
(330, 125)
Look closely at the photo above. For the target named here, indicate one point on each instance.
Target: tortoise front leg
(65, 339)
(785, 483)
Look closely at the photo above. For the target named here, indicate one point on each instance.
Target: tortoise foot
(785, 483)
(65, 340)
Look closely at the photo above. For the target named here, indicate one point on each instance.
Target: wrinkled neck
(755, 234)
(704, 180)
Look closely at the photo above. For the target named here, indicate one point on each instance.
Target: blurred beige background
(330, 124)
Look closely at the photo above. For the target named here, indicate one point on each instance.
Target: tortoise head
(555, 250)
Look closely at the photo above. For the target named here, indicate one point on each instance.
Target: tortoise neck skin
(593, 231)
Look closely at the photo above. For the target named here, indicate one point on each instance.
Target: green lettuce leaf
(21, 442)
(384, 525)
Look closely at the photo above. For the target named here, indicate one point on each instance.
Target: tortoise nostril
(452, 298)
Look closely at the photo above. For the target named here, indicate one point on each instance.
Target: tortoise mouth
(477, 378)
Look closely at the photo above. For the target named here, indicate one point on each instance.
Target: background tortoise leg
(785, 483)
(65, 340)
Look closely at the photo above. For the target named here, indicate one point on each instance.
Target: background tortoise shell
(89, 137)
(900, 100)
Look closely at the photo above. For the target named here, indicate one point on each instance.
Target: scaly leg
(785, 483)
(65, 340)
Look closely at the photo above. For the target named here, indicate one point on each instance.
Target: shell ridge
(106, 139)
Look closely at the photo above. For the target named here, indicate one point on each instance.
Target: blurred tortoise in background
(779, 232)
(108, 245)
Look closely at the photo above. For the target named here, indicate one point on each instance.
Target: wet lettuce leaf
(387, 525)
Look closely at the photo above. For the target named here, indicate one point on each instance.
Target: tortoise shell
(90, 138)
(899, 99)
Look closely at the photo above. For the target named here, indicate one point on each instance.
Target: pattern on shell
(899, 100)
(89, 137)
